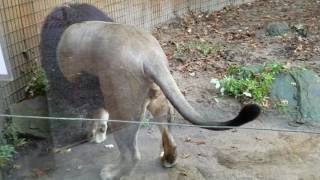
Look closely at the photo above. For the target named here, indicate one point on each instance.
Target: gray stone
(309, 90)
(277, 28)
(301, 88)
(32, 107)
(300, 29)
(282, 88)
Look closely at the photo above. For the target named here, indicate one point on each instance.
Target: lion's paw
(168, 161)
(110, 172)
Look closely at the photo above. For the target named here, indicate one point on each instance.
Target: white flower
(215, 82)
(247, 94)
(284, 102)
(222, 91)
(192, 74)
(293, 83)
(109, 146)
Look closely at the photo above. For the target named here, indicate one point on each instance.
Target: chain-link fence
(21, 21)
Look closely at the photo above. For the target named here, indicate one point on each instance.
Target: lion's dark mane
(87, 87)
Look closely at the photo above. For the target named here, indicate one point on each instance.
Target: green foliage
(146, 122)
(204, 48)
(181, 49)
(11, 135)
(9, 141)
(250, 82)
(38, 84)
(6, 153)
(281, 107)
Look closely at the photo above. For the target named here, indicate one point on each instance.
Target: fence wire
(152, 122)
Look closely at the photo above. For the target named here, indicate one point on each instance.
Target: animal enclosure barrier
(21, 21)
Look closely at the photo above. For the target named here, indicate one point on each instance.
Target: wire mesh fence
(21, 22)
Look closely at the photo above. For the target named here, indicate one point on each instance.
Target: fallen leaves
(197, 142)
(38, 173)
(183, 172)
(185, 156)
(239, 33)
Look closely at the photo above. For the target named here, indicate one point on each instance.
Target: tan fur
(99, 130)
(163, 112)
(131, 66)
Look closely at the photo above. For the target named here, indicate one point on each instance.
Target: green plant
(146, 122)
(6, 151)
(202, 46)
(38, 84)
(11, 135)
(6, 154)
(249, 82)
(280, 107)
(9, 141)
(181, 49)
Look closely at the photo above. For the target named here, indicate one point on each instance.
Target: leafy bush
(6, 154)
(6, 151)
(38, 84)
(9, 141)
(249, 82)
(11, 135)
(203, 47)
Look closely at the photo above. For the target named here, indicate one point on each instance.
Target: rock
(300, 29)
(309, 90)
(282, 89)
(277, 28)
(29, 126)
(254, 68)
(301, 88)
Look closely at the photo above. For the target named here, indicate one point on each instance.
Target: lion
(134, 76)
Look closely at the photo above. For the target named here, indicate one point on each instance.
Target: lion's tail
(159, 72)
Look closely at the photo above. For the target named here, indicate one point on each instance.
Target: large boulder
(29, 126)
(277, 28)
(301, 88)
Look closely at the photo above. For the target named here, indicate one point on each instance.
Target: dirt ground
(203, 154)
(236, 35)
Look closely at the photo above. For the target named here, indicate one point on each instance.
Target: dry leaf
(199, 142)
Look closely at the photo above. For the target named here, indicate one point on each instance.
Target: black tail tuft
(247, 114)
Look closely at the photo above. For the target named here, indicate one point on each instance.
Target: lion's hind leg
(99, 130)
(168, 157)
(126, 139)
(162, 112)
